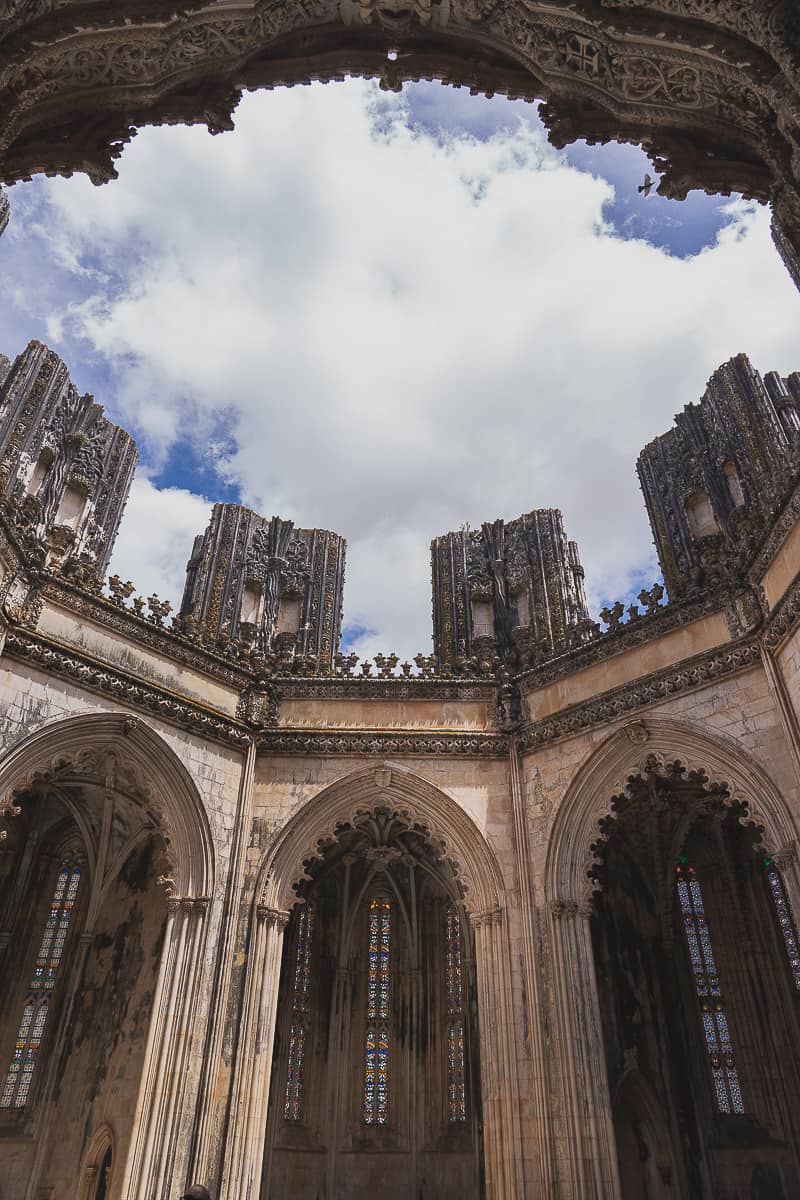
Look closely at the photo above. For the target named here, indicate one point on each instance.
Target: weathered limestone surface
(214, 782)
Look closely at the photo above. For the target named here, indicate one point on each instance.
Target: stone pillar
(211, 1105)
(155, 1166)
(502, 1127)
(244, 1152)
(587, 1158)
(541, 1133)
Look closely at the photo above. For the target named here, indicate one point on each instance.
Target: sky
(389, 315)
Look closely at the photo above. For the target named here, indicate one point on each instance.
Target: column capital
(571, 909)
(492, 916)
(786, 856)
(272, 916)
(188, 904)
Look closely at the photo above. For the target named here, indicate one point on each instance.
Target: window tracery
(716, 1030)
(454, 984)
(376, 1042)
(19, 1076)
(786, 921)
(298, 1034)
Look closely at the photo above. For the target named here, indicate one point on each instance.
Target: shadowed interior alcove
(697, 999)
(375, 1081)
(82, 920)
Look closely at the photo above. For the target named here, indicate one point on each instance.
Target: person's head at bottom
(197, 1192)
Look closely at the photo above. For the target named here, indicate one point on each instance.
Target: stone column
(541, 1133)
(587, 1157)
(211, 1102)
(502, 1127)
(244, 1152)
(155, 1164)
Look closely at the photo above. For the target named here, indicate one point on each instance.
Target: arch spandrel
(627, 752)
(124, 754)
(449, 828)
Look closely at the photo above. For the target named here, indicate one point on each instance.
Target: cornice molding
(405, 743)
(98, 677)
(412, 687)
(647, 692)
(119, 619)
(782, 527)
(646, 628)
(784, 618)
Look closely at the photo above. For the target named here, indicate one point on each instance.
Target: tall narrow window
(454, 985)
(709, 993)
(376, 1042)
(785, 916)
(293, 1102)
(19, 1077)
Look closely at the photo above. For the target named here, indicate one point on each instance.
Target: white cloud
(156, 536)
(403, 332)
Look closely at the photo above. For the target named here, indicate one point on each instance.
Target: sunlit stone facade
(515, 920)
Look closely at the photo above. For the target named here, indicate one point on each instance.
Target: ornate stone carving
(65, 469)
(711, 88)
(507, 591)
(275, 917)
(445, 745)
(271, 589)
(714, 483)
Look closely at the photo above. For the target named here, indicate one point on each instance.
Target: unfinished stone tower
(517, 920)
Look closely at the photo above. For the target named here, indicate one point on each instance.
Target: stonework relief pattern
(65, 469)
(267, 588)
(717, 77)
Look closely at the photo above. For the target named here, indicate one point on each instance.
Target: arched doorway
(95, 934)
(696, 991)
(579, 1069)
(375, 1077)
(447, 861)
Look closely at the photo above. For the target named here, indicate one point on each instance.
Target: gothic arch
(84, 746)
(101, 1142)
(450, 829)
(624, 753)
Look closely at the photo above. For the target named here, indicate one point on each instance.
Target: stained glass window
(376, 1040)
(293, 1102)
(709, 992)
(17, 1084)
(454, 986)
(785, 916)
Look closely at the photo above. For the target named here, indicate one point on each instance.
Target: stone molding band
(720, 662)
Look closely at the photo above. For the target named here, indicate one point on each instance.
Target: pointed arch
(86, 745)
(451, 830)
(101, 1142)
(625, 753)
